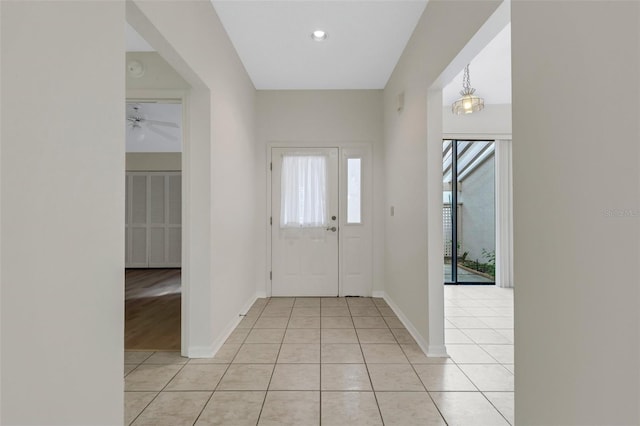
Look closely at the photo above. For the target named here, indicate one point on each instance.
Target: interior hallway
(335, 361)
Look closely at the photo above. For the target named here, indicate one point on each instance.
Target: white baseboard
(210, 351)
(200, 352)
(261, 294)
(437, 351)
(430, 351)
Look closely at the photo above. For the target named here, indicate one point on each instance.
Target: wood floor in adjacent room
(152, 309)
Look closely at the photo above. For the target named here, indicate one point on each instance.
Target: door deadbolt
(333, 218)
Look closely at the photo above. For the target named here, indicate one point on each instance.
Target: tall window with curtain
(304, 191)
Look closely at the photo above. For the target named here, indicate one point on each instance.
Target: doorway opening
(468, 211)
(153, 225)
(476, 194)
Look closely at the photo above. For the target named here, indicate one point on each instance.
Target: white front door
(305, 224)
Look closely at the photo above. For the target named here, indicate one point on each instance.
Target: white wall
(219, 163)
(575, 165)
(158, 73)
(493, 122)
(478, 228)
(62, 226)
(431, 48)
(319, 116)
(153, 161)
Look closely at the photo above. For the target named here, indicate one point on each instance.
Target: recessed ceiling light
(319, 35)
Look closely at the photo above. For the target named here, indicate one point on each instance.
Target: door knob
(332, 229)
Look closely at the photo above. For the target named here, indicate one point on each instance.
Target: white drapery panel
(303, 191)
(504, 214)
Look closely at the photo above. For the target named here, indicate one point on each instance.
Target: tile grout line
(143, 410)
(140, 363)
(436, 405)
(266, 392)
(215, 389)
(274, 367)
(462, 371)
(428, 392)
(366, 366)
(413, 368)
(161, 390)
(496, 408)
(152, 399)
(244, 339)
(320, 364)
(499, 363)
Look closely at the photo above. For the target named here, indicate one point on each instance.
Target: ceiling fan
(137, 121)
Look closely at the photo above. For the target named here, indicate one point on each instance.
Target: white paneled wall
(153, 220)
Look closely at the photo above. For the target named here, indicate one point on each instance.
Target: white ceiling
(366, 39)
(155, 137)
(490, 73)
(135, 42)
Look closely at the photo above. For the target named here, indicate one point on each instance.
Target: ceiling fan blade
(162, 133)
(134, 108)
(162, 123)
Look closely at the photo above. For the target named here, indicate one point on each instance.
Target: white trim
(378, 293)
(185, 271)
(184, 96)
(200, 352)
(164, 95)
(435, 239)
(196, 183)
(268, 274)
(439, 351)
(496, 23)
(472, 136)
(209, 352)
(498, 20)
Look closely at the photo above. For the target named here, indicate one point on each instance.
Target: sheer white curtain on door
(303, 191)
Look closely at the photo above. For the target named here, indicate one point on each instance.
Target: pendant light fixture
(468, 103)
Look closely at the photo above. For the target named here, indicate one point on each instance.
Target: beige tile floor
(336, 361)
(479, 338)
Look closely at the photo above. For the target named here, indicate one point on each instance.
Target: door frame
(367, 203)
(455, 213)
(182, 96)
